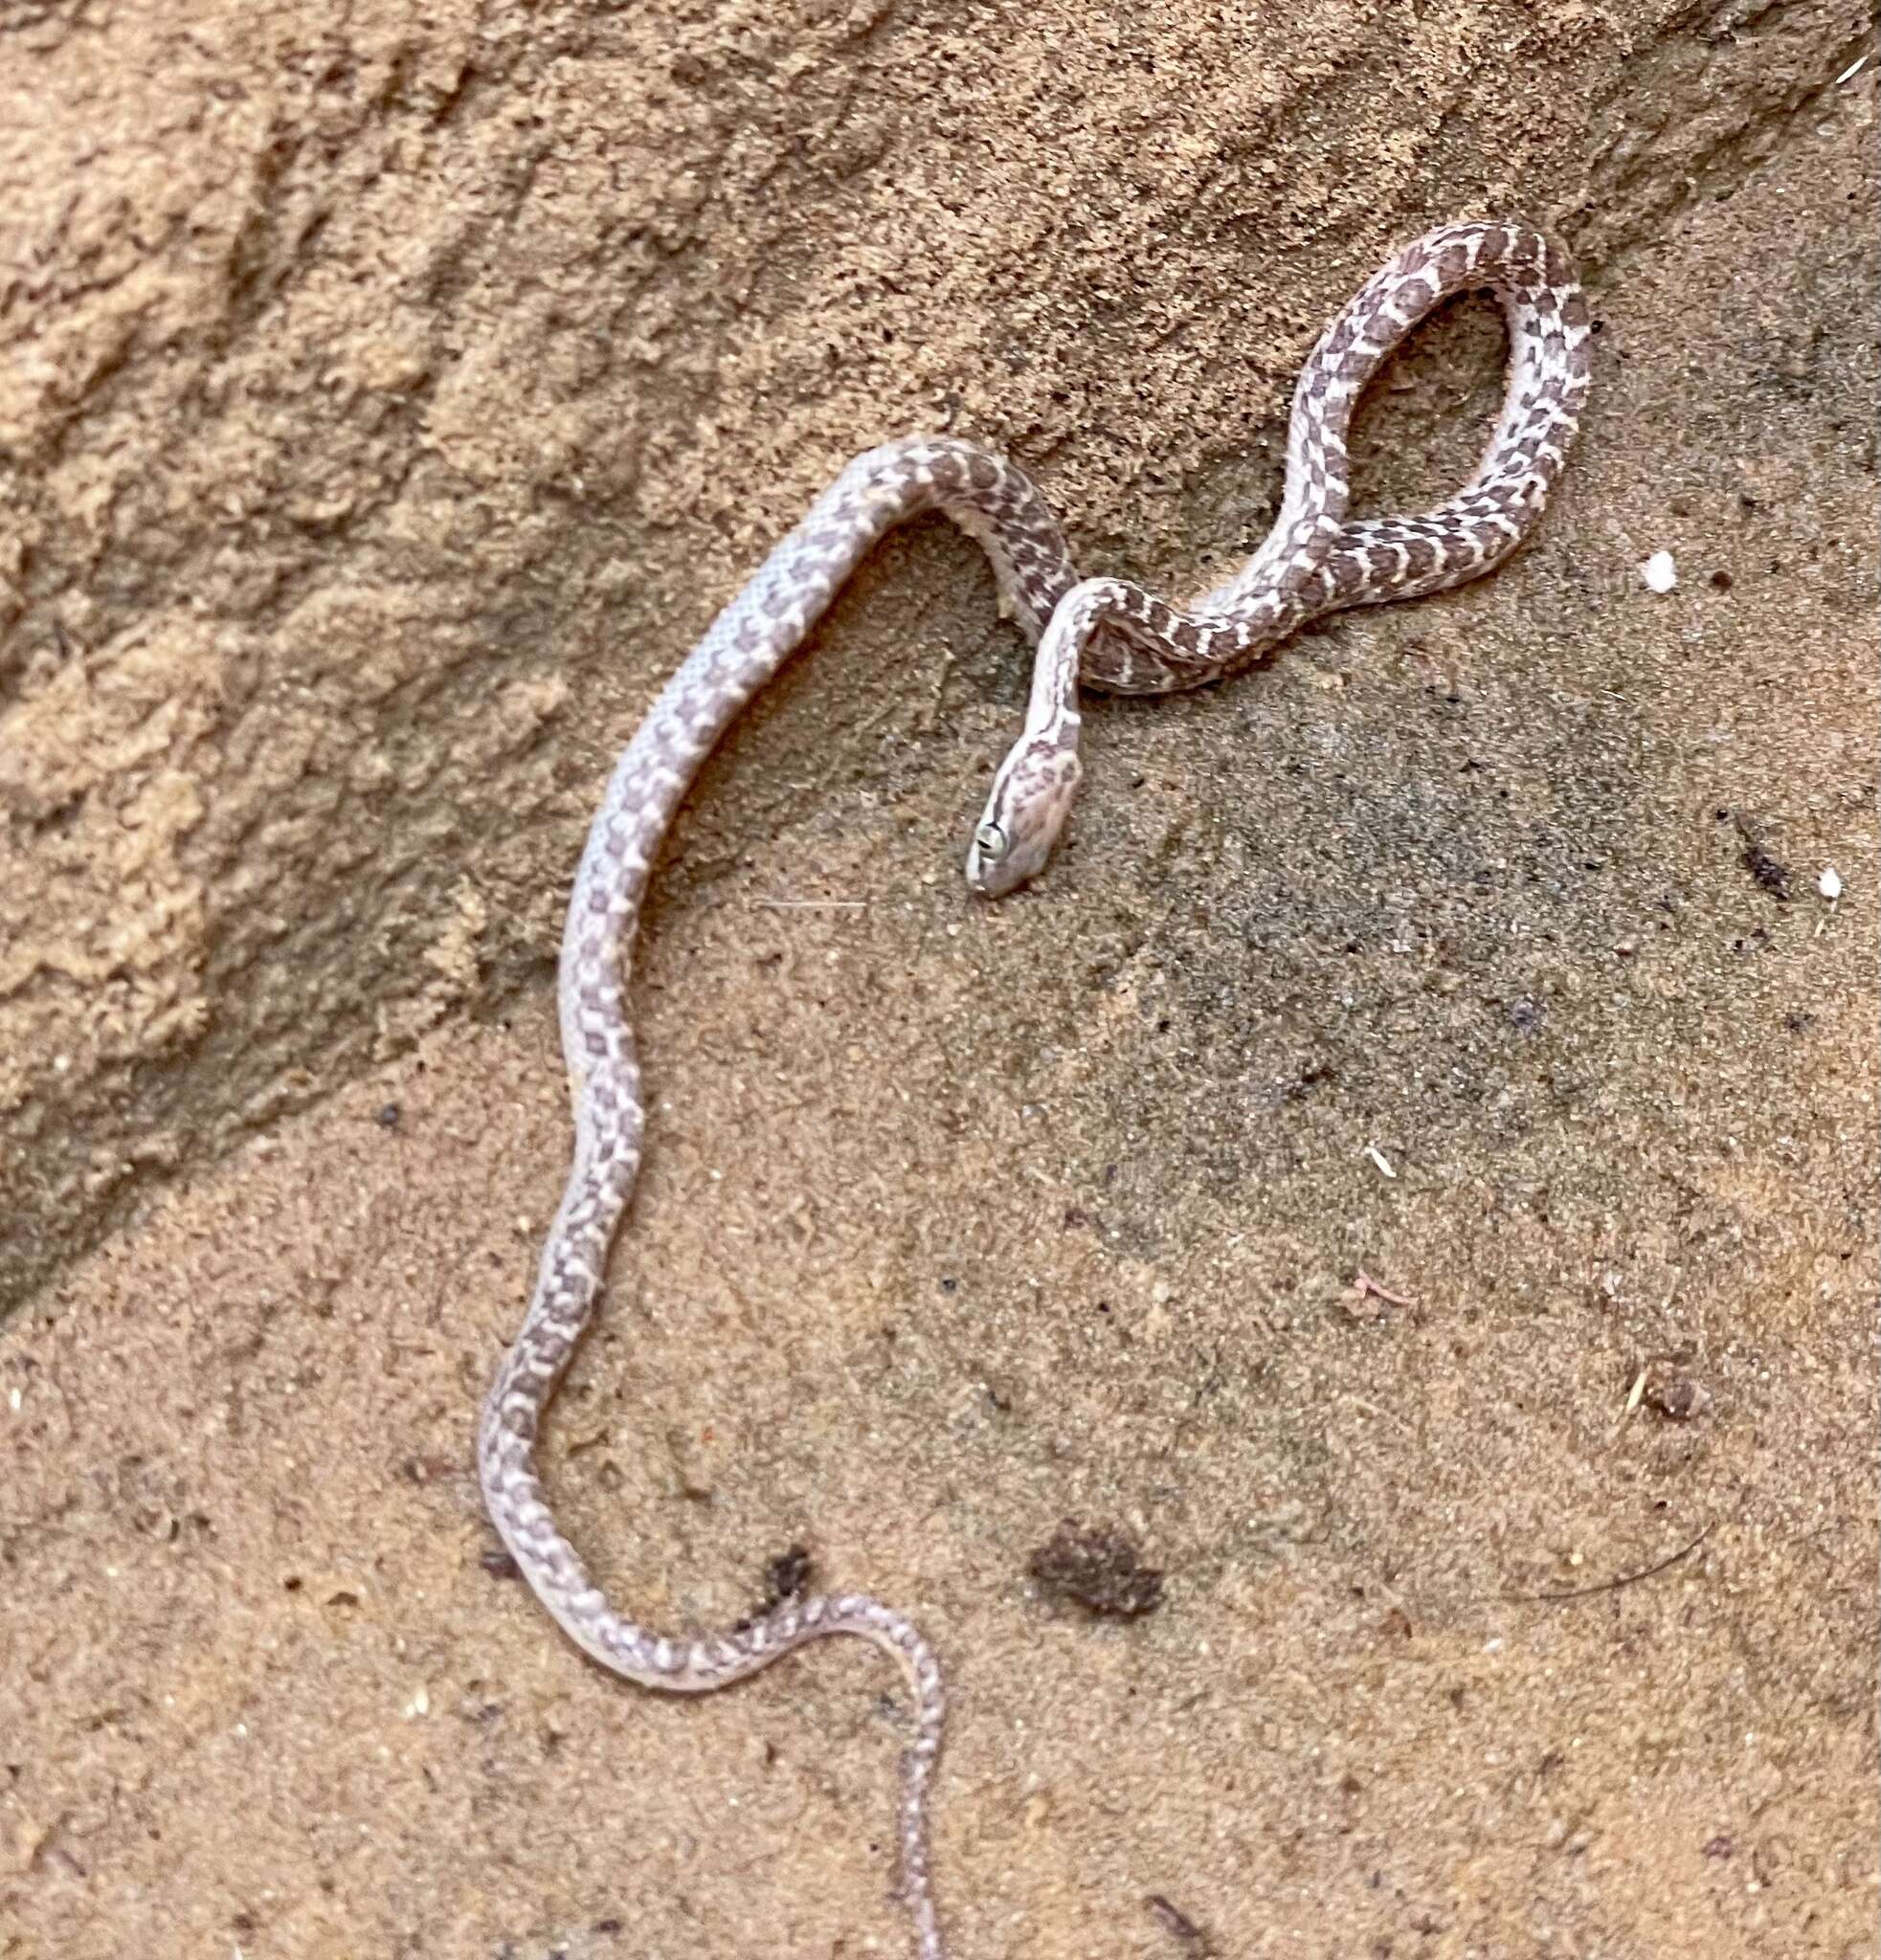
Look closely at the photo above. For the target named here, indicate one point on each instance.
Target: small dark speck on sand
(1769, 872)
(1178, 1924)
(1101, 1570)
(786, 1577)
(788, 1574)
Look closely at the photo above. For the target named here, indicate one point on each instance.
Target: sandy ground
(387, 393)
(960, 1220)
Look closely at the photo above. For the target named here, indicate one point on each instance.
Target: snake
(1107, 634)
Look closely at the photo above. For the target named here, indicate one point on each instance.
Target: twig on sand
(1177, 1923)
(1368, 1288)
(1624, 1579)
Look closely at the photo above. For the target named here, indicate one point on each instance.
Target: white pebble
(1379, 1157)
(1660, 572)
(1829, 884)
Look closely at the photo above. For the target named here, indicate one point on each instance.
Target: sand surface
(962, 1220)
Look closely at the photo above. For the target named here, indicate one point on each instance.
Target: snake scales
(1102, 633)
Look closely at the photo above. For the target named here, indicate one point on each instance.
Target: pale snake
(1103, 632)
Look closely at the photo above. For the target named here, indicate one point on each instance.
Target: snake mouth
(996, 883)
(982, 884)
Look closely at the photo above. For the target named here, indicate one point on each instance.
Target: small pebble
(1829, 885)
(1673, 1393)
(1660, 572)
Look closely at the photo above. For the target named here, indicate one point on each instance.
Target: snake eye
(992, 841)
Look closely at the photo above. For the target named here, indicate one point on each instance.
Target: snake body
(1102, 633)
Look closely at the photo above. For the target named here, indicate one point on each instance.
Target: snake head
(1026, 811)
